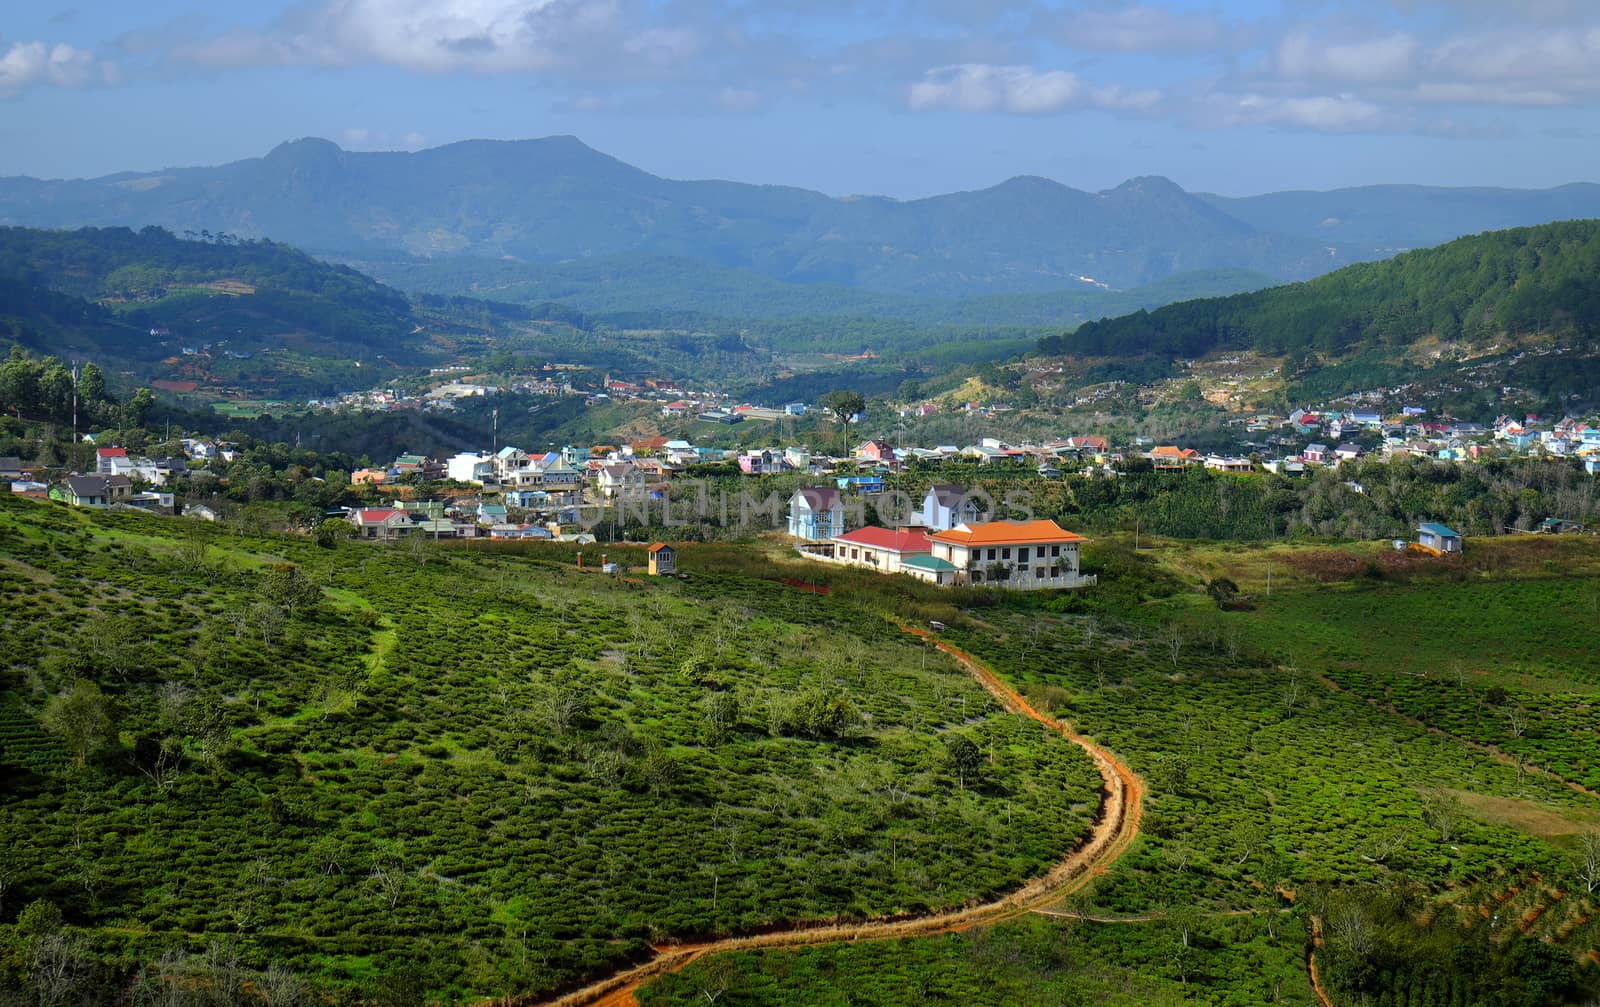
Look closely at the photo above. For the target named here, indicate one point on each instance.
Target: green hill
(1533, 279)
(255, 313)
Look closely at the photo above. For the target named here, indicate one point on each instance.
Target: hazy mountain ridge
(556, 200)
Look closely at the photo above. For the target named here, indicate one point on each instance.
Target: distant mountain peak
(306, 145)
(1151, 185)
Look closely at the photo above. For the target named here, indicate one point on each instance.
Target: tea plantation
(1286, 813)
(250, 769)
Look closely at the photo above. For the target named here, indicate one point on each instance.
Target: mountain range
(543, 209)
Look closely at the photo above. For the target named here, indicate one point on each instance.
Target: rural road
(1113, 830)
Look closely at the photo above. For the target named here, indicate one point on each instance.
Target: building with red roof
(380, 522)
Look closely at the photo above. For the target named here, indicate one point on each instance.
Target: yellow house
(662, 560)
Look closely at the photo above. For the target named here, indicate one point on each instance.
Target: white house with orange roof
(1021, 555)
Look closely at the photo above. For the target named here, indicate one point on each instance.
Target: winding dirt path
(1113, 830)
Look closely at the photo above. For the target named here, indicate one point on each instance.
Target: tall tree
(843, 404)
(85, 718)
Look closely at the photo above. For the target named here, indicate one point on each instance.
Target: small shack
(1438, 539)
(663, 560)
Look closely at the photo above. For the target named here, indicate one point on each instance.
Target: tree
(660, 769)
(722, 715)
(1588, 861)
(91, 385)
(84, 717)
(963, 756)
(843, 404)
(291, 589)
(1222, 591)
(137, 408)
(38, 918)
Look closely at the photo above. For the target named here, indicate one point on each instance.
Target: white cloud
(1367, 61)
(363, 138)
(1553, 56)
(445, 36)
(1141, 29)
(1020, 90)
(734, 99)
(1342, 113)
(32, 64)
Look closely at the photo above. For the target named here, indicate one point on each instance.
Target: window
(1005, 553)
(1038, 573)
(977, 576)
(991, 554)
(1039, 554)
(1055, 550)
(1055, 572)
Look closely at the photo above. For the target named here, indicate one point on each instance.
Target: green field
(1438, 873)
(472, 773)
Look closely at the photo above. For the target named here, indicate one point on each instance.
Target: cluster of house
(439, 519)
(944, 543)
(111, 484)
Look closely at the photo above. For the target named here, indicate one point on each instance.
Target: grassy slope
(1261, 777)
(493, 769)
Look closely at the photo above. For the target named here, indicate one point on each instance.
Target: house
(507, 460)
(663, 560)
(619, 480)
(861, 484)
(816, 514)
(369, 477)
(491, 514)
(155, 503)
(1347, 452)
(421, 466)
(1171, 457)
(11, 468)
(1437, 538)
(383, 523)
(876, 450)
(985, 454)
(519, 532)
(1227, 463)
(1317, 454)
(767, 461)
(881, 549)
(200, 512)
(936, 571)
(795, 409)
(94, 491)
(105, 460)
(1021, 555)
(946, 505)
(470, 467)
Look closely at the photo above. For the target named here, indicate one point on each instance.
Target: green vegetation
(1436, 872)
(1072, 963)
(1533, 279)
(475, 771)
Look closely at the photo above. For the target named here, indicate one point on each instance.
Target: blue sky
(894, 97)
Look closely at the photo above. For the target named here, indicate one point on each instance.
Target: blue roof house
(1435, 536)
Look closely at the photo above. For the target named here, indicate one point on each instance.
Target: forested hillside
(1533, 279)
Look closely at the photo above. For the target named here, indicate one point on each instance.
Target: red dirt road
(1110, 835)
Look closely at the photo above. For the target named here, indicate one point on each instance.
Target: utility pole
(494, 430)
(74, 402)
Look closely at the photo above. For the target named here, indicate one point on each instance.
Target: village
(949, 537)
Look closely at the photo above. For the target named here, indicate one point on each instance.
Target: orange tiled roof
(1007, 533)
